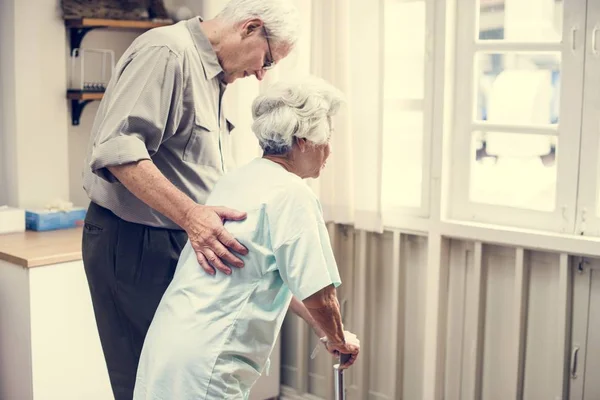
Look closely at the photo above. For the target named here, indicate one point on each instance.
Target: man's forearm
(324, 308)
(300, 310)
(147, 183)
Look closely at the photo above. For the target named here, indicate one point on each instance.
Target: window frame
(588, 220)
(467, 46)
(399, 216)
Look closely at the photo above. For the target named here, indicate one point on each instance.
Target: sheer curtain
(341, 42)
(346, 51)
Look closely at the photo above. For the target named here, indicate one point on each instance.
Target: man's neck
(213, 30)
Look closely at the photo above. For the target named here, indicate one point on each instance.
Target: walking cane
(340, 386)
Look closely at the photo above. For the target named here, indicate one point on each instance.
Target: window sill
(501, 235)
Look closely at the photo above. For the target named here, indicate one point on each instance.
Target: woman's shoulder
(294, 197)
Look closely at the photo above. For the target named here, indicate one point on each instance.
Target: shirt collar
(209, 59)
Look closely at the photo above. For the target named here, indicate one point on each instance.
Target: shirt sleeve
(143, 102)
(301, 244)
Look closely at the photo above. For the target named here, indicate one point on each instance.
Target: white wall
(7, 71)
(33, 105)
(33, 102)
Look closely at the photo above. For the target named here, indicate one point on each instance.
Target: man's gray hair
(280, 17)
(295, 109)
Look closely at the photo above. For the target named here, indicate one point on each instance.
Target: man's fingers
(224, 254)
(229, 241)
(230, 214)
(214, 246)
(204, 264)
(215, 261)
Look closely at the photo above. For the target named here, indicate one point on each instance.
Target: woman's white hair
(280, 17)
(294, 109)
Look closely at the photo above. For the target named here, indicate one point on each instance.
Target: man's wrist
(187, 214)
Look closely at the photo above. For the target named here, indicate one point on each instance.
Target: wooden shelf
(81, 95)
(113, 23)
(79, 27)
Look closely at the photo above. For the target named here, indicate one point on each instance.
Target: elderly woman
(212, 335)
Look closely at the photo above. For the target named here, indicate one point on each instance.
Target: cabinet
(584, 369)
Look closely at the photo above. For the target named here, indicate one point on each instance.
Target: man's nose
(260, 74)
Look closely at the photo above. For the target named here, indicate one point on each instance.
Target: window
(588, 215)
(407, 88)
(519, 80)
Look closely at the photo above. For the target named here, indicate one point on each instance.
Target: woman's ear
(301, 142)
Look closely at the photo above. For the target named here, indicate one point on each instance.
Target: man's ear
(252, 26)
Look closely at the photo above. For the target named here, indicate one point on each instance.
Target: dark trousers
(128, 268)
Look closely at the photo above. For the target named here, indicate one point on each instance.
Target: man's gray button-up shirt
(164, 103)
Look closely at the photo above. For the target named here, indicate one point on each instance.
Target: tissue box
(46, 220)
(12, 220)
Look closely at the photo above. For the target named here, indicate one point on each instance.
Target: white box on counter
(11, 220)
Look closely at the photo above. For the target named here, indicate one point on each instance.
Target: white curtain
(346, 51)
(341, 42)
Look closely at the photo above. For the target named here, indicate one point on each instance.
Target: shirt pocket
(203, 147)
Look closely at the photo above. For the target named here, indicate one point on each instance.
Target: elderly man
(160, 141)
(212, 335)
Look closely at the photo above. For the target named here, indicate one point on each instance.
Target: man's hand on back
(204, 225)
(211, 241)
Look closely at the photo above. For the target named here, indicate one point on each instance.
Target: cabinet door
(581, 301)
(591, 389)
(585, 346)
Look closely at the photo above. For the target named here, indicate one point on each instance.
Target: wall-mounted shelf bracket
(77, 35)
(80, 99)
(77, 107)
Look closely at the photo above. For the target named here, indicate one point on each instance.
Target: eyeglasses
(270, 63)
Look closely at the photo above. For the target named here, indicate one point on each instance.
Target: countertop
(35, 249)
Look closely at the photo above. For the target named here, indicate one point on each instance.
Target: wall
(7, 113)
(505, 327)
(34, 114)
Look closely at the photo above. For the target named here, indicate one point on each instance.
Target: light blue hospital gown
(212, 336)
